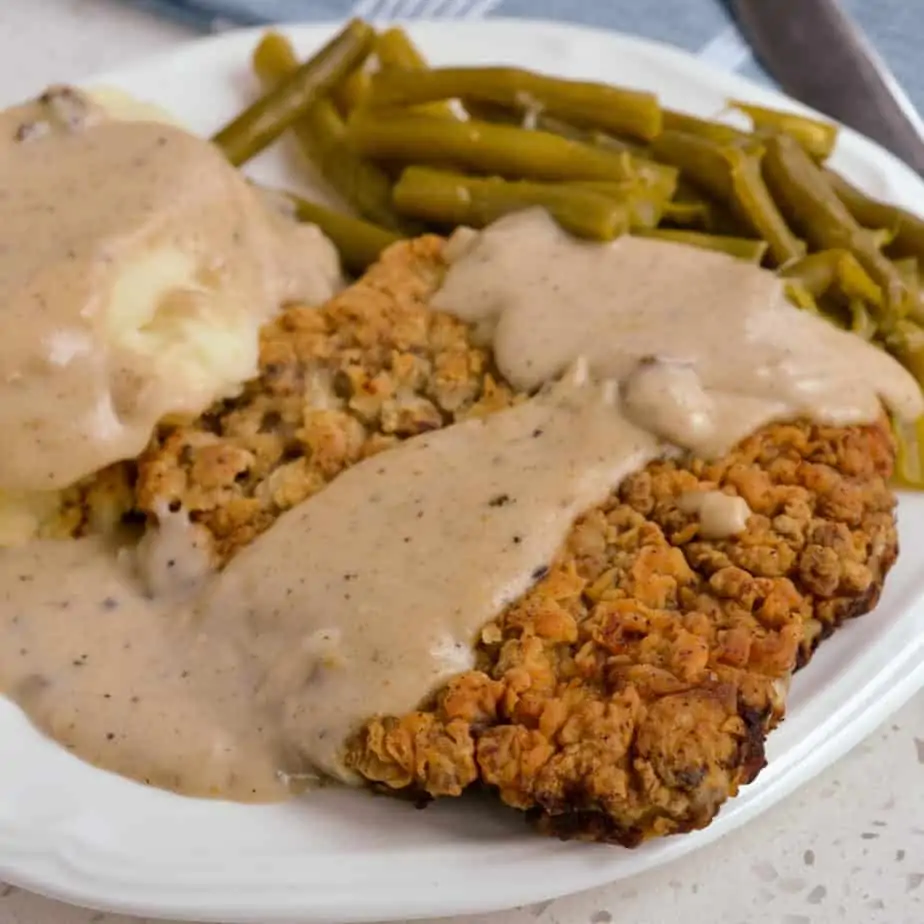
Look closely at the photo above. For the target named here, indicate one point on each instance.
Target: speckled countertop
(847, 847)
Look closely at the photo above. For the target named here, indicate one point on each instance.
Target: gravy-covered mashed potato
(136, 267)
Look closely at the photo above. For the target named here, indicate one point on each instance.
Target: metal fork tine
(384, 10)
(366, 9)
(480, 8)
(413, 9)
(456, 9)
(395, 9)
(377, 11)
(433, 9)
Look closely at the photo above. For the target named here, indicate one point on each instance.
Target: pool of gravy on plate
(365, 598)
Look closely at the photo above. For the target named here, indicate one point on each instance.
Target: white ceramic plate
(87, 836)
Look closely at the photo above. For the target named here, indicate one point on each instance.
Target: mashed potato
(136, 268)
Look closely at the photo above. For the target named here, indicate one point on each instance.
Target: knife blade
(820, 56)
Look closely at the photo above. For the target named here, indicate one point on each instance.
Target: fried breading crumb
(96, 504)
(629, 693)
(337, 384)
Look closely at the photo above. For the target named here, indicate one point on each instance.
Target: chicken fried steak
(370, 368)
(629, 692)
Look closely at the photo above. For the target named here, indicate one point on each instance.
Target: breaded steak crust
(630, 691)
(338, 383)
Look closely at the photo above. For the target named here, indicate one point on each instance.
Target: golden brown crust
(368, 369)
(96, 504)
(629, 693)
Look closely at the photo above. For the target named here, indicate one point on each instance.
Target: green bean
(851, 316)
(688, 214)
(835, 280)
(815, 272)
(806, 291)
(351, 92)
(261, 124)
(740, 247)
(527, 117)
(800, 296)
(647, 169)
(908, 227)
(839, 269)
(855, 283)
(453, 199)
(655, 175)
(506, 115)
(732, 175)
(808, 201)
(905, 339)
(716, 215)
(643, 165)
(629, 112)
(358, 242)
(817, 137)
(644, 202)
(880, 238)
(838, 314)
(524, 117)
(909, 461)
(908, 268)
(395, 50)
(534, 118)
(704, 128)
(861, 321)
(321, 135)
(661, 182)
(515, 153)
(613, 143)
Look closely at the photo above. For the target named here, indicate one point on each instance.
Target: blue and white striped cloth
(896, 27)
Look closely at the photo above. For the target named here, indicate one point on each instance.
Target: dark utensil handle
(818, 55)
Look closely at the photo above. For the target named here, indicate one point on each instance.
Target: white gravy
(136, 266)
(369, 595)
(720, 515)
(362, 600)
(707, 348)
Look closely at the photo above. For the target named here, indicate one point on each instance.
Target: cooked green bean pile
(412, 149)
